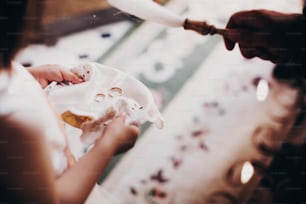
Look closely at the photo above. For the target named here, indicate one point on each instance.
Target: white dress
(21, 93)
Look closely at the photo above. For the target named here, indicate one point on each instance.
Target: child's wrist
(105, 144)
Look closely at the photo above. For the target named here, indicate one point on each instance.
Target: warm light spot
(247, 172)
(262, 90)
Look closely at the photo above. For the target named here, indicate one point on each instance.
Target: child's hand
(45, 74)
(119, 136)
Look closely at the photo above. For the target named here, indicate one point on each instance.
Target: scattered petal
(176, 162)
(133, 191)
(159, 177)
(203, 146)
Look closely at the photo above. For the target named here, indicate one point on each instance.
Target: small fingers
(54, 72)
(124, 136)
(67, 75)
(132, 129)
(43, 83)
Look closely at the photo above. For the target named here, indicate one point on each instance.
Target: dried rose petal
(133, 191)
(176, 162)
(162, 194)
(203, 146)
(197, 133)
(159, 177)
(155, 192)
(213, 104)
(152, 192)
(256, 80)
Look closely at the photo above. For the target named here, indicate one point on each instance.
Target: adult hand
(269, 35)
(119, 136)
(45, 74)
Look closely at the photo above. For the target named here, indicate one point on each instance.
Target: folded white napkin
(105, 94)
